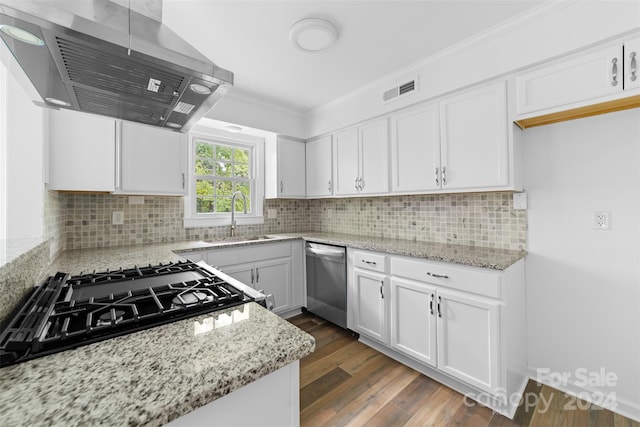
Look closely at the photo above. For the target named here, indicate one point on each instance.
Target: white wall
(583, 285)
(23, 162)
(553, 30)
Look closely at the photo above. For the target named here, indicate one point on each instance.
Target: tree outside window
(220, 170)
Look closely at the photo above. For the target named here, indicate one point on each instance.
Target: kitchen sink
(240, 239)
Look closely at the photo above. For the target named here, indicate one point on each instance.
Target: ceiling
(375, 38)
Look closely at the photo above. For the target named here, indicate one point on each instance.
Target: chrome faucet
(233, 210)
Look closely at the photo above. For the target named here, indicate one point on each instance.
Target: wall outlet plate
(272, 213)
(601, 221)
(520, 201)
(117, 217)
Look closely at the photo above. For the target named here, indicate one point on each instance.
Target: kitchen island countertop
(153, 376)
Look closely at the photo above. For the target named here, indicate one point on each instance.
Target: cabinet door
(579, 78)
(413, 320)
(274, 277)
(475, 143)
(152, 160)
(291, 165)
(632, 64)
(319, 158)
(415, 150)
(374, 157)
(468, 346)
(82, 151)
(371, 311)
(346, 162)
(242, 272)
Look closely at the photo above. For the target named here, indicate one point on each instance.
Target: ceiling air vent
(403, 89)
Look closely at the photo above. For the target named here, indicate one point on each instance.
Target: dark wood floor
(346, 383)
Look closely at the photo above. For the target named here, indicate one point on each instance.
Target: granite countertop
(153, 376)
(496, 259)
(11, 249)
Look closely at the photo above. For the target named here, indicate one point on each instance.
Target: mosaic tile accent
(472, 219)
(54, 217)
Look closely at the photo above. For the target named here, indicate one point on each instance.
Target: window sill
(221, 222)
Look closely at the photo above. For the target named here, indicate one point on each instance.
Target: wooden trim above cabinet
(580, 112)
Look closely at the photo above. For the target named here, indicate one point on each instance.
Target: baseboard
(619, 406)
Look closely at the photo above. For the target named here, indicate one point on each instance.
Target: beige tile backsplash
(76, 221)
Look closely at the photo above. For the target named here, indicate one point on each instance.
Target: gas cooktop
(66, 311)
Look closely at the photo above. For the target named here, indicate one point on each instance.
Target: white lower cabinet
(275, 268)
(463, 326)
(371, 316)
(413, 324)
(468, 332)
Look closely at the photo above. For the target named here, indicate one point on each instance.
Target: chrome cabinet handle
(437, 176)
(281, 186)
(357, 188)
(614, 72)
(633, 66)
(438, 276)
(329, 187)
(431, 305)
(381, 285)
(252, 276)
(444, 175)
(370, 262)
(182, 179)
(439, 312)
(257, 275)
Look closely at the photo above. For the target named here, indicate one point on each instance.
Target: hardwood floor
(346, 383)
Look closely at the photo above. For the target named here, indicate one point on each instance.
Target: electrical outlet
(601, 220)
(520, 201)
(117, 218)
(272, 213)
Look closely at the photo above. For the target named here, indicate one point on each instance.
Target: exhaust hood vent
(400, 90)
(102, 57)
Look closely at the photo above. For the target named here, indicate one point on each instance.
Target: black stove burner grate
(65, 312)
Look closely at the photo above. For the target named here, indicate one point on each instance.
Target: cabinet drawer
(467, 279)
(369, 261)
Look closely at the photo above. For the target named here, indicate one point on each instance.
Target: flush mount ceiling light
(313, 35)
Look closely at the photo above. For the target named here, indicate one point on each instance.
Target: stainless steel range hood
(112, 58)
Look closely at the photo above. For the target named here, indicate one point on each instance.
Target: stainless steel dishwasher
(327, 282)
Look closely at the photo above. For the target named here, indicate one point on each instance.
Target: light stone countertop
(475, 256)
(153, 376)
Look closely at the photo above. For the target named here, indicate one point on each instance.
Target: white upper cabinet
(82, 152)
(93, 153)
(291, 168)
(361, 159)
(285, 168)
(152, 160)
(579, 78)
(632, 64)
(474, 139)
(415, 149)
(319, 157)
(346, 162)
(374, 157)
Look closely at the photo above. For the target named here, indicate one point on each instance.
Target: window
(221, 164)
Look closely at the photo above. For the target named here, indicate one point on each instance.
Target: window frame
(194, 219)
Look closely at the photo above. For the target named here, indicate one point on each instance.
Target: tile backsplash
(76, 221)
(474, 219)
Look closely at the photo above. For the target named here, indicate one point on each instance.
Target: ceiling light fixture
(313, 35)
